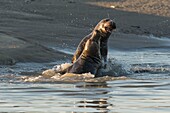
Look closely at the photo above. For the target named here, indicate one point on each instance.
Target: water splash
(70, 78)
(114, 70)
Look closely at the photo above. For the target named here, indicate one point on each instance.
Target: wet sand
(29, 29)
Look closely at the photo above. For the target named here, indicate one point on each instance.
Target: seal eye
(108, 29)
(107, 19)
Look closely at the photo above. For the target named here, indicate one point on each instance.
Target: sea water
(145, 88)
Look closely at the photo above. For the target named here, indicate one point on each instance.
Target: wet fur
(103, 42)
(90, 58)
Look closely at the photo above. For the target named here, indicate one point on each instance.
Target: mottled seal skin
(105, 27)
(90, 58)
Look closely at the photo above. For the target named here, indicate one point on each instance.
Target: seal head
(106, 26)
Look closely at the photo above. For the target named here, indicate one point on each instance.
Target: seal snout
(113, 25)
(109, 26)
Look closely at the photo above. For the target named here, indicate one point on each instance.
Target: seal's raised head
(106, 26)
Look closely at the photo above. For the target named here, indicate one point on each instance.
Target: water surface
(145, 89)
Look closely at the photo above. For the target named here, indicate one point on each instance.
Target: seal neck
(96, 36)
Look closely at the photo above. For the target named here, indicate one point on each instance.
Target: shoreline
(29, 29)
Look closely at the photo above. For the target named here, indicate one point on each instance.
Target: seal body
(105, 27)
(90, 58)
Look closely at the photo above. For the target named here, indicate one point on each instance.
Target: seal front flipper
(80, 48)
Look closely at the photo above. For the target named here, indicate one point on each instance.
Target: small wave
(22, 68)
(64, 47)
(71, 78)
(9, 78)
(150, 68)
(166, 39)
(66, 51)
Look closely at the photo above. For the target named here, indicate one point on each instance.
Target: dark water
(113, 96)
(145, 90)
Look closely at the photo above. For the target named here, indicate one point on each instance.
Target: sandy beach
(30, 29)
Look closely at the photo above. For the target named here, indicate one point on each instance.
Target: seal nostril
(113, 25)
(107, 19)
(108, 29)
